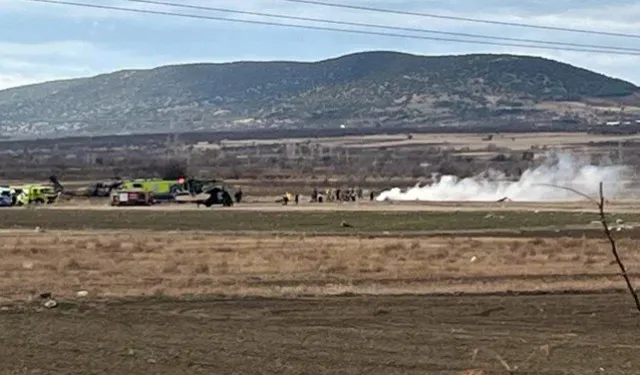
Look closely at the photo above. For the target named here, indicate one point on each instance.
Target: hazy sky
(41, 42)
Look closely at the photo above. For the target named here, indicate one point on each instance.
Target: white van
(6, 196)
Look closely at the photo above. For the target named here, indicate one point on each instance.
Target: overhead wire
(466, 19)
(324, 28)
(370, 25)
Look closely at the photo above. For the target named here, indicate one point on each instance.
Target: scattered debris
(545, 349)
(50, 304)
(45, 295)
(346, 225)
(490, 311)
(619, 226)
(82, 293)
(39, 230)
(473, 258)
(27, 265)
(491, 216)
(380, 311)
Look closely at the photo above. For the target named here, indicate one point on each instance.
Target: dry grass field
(174, 264)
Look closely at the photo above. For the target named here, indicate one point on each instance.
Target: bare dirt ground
(552, 335)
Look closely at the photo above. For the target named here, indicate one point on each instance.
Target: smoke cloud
(561, 170)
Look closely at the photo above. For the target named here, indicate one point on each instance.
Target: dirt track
(577, 334)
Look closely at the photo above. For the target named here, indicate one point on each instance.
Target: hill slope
(368, 89)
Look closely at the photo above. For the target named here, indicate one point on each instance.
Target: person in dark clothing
(238, 195)
(297, 198)
(371, 195)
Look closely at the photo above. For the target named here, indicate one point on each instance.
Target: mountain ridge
(371, 88)
(313, 62)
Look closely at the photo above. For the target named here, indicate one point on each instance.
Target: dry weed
(175, 263)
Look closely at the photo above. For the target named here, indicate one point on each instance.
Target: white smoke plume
(561, 170)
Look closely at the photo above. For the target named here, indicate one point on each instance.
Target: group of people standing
(328, 195)
(339, 195)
